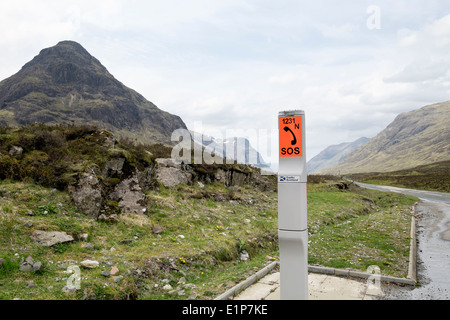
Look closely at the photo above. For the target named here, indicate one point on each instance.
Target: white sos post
(292, 206)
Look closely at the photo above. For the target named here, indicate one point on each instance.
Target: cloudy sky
(351, 65)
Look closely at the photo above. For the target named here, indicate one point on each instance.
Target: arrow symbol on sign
(293, 142)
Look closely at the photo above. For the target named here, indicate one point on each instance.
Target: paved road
(433, 196)
(433, 227)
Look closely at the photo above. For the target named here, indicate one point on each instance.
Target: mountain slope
(414, 138)
(65, 84)
(334, 154)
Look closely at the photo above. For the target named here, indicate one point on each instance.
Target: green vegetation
(202, 233)
(358, 228)
(191, 237)
(52, 156)
(434, 177)
(200, 240)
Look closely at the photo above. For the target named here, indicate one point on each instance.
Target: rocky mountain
(65, 84)
(414, 138)
(334, 154)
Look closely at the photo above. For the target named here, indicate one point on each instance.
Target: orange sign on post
(290, 133)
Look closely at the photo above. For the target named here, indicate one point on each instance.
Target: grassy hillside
(191, 232)
(191, 238)
(190, 242)
(434, 176)
(52, 156)
(414, 138)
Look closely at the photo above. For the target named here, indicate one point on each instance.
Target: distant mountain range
(65, 84)
(236, 148)
(333, 155)
(414, 138)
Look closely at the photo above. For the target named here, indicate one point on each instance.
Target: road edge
(234, 291)
(412, 269)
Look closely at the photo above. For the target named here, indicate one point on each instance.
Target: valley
(415, 138)
(85, 157)
(435, 176)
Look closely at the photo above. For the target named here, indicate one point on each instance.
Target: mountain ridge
(334, 154)
(414, 138)
(66, 84)
(236, 148)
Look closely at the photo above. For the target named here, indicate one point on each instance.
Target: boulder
(238, 179)
(167, 162)
(118, 187)
(114, 271)
(30, 265)
(147, 177)
(50, 238)
(157, 229)
(129, 195)
(87, 195)
(171, 177)
(26, 267)
(167, 287)
(223, 177)
(93, 198)
(113, 167)
(171, 174)
(37, 266)
(90, 264)
(15, 151)
(244, 256)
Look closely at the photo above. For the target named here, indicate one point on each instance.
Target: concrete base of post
(293, 264)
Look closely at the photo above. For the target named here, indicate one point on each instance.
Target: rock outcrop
(129, 196)
(87, 195)
(111, 190)
(171, 174)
